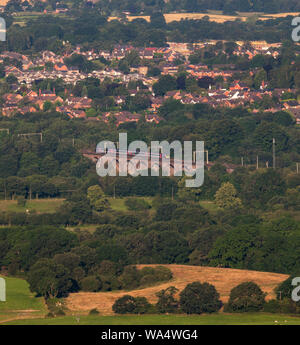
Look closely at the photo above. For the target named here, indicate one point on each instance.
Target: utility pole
(297, 167)
(257, 162)
(274, 158)
(242, 161)
(172, 192)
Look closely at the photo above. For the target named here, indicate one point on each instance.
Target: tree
(49, 279)
(157, 20)
(226, 197)
(91, 283)
(165, 83)
(246, 297)
(197, 298)
(166, 302)
(124, 305)
(262, 187)
(96, 197)
(131, 305)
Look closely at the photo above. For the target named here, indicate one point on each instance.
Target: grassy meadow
(20, 302)
(212, 319)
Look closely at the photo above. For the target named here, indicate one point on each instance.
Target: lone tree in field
(226, 197)
(199, 298)
(245, 297)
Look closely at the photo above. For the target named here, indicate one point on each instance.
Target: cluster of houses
(52, 66)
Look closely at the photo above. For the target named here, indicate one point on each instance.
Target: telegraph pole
(257, 162)
(274, 155)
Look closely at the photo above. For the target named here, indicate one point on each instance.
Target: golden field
(224, 279)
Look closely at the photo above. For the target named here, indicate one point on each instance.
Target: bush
(199, 298)
(91, 284)
(246, 297)
(94, 312)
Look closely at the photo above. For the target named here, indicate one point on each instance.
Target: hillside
(224, 280)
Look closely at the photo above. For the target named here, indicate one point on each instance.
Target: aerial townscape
(77, 247)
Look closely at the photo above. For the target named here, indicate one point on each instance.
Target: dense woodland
(149, 6)
(92, 29)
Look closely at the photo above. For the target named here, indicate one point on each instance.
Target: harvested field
(224, 280)
(218, 18)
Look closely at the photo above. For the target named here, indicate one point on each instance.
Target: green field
(213, 319)
(40, 206)
(20, 302)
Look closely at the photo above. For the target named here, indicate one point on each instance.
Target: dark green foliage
(246, 297)
(124, 305)
(91, 284)
(136, 204)
(166, 301)
(130, 305)
(199, 298)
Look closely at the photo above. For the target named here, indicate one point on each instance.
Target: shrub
(94, 312)
(197, 298)
(166, 302)
(246, 297)
(91, 284)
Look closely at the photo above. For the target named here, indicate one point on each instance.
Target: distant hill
(224, 279)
